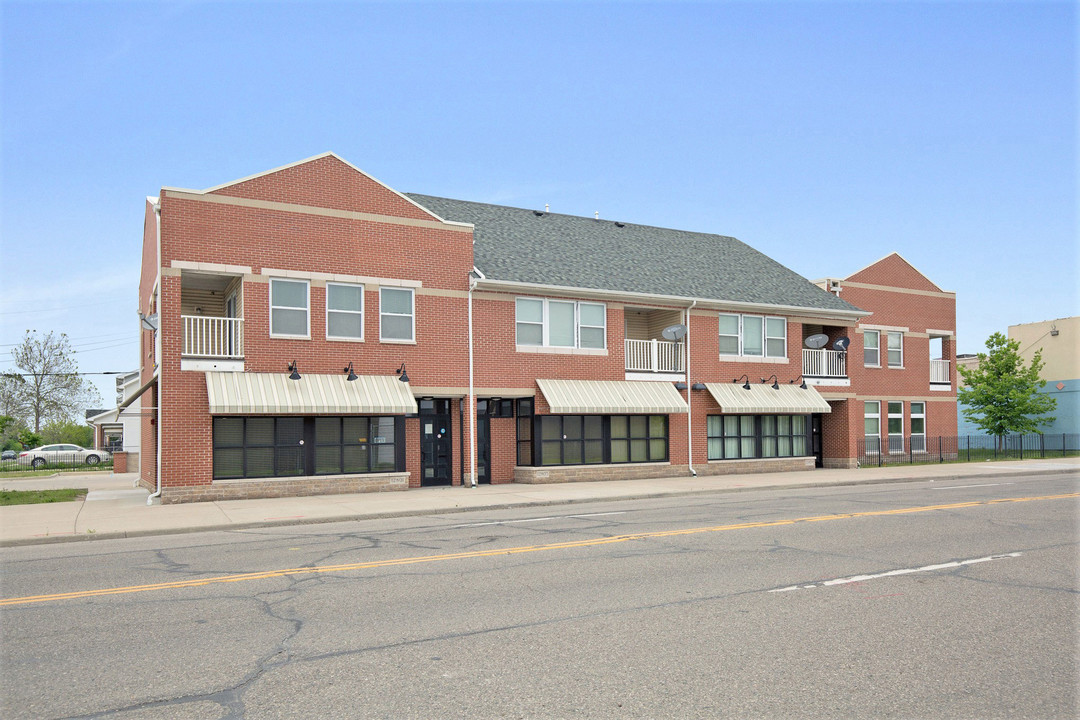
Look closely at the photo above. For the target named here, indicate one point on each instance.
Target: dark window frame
(760, 436)
(587, 439)
(284, 454)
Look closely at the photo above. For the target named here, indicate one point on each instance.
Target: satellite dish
(816, 341)
(674, 332)
(841, 344)
(149, 322)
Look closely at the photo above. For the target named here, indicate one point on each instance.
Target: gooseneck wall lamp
(775, 383)
(746, 385)
(293, 373)
(348, 369)
(803, 386)
(402, 375)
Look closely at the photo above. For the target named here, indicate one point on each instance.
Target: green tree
(13, 396)
(28, 438)
(52, 389)
(1002, 395)
(67, 431)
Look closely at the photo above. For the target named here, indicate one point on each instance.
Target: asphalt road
(914, 600)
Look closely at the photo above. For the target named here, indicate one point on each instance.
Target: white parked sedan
(62, 453)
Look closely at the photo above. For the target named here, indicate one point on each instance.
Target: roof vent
(547, 207)
(619, 224)
(597, 214)
(537, 213)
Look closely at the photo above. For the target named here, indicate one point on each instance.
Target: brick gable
(325, 182)
(894, 271)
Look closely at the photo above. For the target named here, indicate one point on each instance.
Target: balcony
(825, 367)
(213, 338)
(654, 356)
(211, 321)
(940, 377)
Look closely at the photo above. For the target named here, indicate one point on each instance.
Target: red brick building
(310, 330)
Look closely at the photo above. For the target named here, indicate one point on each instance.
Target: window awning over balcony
(611, 396)
(733, 398)
(238, 393)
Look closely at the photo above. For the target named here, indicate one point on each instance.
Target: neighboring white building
(120, 429)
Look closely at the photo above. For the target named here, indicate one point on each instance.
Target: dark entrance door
(483, 448)
(815, 440)
(435, 445)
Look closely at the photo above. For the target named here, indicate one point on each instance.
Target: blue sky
(825, 134)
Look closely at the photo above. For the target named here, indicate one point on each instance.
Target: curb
(225, 527)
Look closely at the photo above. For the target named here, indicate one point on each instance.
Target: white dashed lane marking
(893, 573)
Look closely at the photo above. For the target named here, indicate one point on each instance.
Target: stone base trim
(285, 487)
(590, 473)
(756, 465)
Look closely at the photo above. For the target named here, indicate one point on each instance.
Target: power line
(68, 374)
(58, 309)
(101, 338)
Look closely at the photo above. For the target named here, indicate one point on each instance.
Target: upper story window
(871, 348)
(344, 311)
(896, 349)
(561, 323)
(397, 316)
(289, 302)
(753, 336)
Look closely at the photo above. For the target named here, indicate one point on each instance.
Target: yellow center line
(267, 574)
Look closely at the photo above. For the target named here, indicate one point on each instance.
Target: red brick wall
(439, 259)
(147, 278)
(900, 297)
(196, 231)
(326, 182)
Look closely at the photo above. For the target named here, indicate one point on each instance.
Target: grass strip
(32, 497)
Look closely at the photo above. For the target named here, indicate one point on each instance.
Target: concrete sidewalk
(114, 508)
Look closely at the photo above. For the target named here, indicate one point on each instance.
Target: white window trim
(888, 362)
(765, 330)
(411, 316)
(764, 356)
(546, 326)
(911, 419)
(578, 324)
(890, 415)
(360, 312)
(307, 308)
(876, 333)
(876, 414)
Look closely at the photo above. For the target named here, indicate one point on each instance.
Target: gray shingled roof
(518, 245)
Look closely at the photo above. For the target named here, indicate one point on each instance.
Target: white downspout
(472, 390)
(689, 399)
(158, 357)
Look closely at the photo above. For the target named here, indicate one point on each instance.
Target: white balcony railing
(213, 337)
(654, 356)
(939, 372)
(824, 363)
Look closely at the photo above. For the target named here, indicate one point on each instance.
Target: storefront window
(254, 447)
(732, 437)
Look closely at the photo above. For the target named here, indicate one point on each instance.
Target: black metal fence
(22, 460)
(921, 449)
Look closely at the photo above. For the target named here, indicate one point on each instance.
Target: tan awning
(611, 396)
(761, 398)
(239, 393)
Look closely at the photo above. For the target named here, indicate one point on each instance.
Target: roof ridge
(579, 217)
